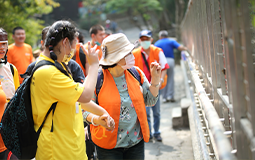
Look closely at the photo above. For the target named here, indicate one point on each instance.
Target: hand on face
(155, 71)
(91, 54)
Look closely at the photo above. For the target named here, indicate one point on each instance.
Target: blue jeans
(135, 152)
(156, 117)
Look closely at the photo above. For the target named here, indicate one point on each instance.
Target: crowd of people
(104, 89)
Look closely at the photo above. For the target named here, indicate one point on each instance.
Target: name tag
(77, 107)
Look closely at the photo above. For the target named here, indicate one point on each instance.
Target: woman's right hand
(91, 54)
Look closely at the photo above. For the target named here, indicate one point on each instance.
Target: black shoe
(170, 100)
(158, 138)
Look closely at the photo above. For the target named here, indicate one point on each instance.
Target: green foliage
(137, 6)
(19, 13)
(252, 6)
(86, 23)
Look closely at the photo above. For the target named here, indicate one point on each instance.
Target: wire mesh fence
(220, 37)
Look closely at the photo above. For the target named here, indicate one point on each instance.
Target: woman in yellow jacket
(124, 99)
(62, 136)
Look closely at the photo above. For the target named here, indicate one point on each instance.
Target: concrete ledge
(185, 103)
(177, 120)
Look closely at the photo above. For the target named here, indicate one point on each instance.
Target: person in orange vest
(97, 34)
(79, 55)
(124, 91)
(9, 82)
(144, 57)
(3, 149)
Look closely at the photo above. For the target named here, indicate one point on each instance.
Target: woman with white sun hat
(124, 91)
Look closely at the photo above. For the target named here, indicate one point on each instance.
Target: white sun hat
(114, 48)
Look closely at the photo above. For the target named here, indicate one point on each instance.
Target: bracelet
(92, 120)
(155, 85)
(162, 80)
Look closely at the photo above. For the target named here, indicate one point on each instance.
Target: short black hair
(16, 28)
(94, 29)
(44, 32)
(80, 37)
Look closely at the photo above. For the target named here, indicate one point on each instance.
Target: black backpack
(17, 125)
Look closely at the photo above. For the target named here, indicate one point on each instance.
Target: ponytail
(58, 31)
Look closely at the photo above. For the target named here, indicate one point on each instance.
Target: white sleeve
(162, 60)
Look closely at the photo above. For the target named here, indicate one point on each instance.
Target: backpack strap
(39, 64)
(145, 61)
(82, 58)
(53, 106)
(100, 80)
(12, 69)
(135, 74)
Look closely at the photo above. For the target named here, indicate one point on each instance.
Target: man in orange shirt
(20, 53)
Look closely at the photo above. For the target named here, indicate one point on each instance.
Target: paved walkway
(176, 142)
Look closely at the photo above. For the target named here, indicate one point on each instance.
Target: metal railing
(218, 34)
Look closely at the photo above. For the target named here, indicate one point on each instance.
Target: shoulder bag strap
(146, 63)
(135, 74)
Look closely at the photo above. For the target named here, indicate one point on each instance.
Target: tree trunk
(179, 12)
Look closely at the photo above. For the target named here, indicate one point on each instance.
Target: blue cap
(146, 33)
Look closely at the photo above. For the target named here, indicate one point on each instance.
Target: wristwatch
(156, 84)
(162, 80)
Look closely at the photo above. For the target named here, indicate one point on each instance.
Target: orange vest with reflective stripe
(109, 99)
(154, 56)
(78, 60)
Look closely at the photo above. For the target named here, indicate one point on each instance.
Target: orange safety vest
(78, 60)
(112, 103)
(154, 56)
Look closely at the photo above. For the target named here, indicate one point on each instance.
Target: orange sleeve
(2, 107)
(9, 55)
(31, 55)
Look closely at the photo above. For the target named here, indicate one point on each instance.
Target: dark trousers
(136, 153)
(4, 155)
